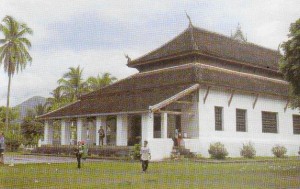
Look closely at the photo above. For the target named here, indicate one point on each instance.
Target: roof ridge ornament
(191, 27)
(189, 18)
(128, 58)
(238, 34)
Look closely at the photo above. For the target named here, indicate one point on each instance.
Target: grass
(169, 174)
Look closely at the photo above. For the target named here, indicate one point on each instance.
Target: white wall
(160, 148)
(234, 140)
(189, 121)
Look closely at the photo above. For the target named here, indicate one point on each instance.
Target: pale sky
(95, 34)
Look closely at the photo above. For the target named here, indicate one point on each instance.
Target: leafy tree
(13, 51)
(290, 62)
(72, 84)
(13, 113)
(40, 109)
(95, 83)
(30, 128)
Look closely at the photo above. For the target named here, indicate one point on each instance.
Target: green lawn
(182, 174)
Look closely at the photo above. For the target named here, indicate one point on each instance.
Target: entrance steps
(181, 151)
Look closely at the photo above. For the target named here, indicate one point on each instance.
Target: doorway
(134, 130)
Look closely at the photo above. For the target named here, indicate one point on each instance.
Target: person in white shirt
(145, 156)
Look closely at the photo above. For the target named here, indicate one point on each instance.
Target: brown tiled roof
(138, 92)
(126, 101)
(199, 41)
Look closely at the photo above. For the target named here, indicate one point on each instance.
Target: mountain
(31, 103)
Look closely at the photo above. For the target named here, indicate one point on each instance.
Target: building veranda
(209, 86)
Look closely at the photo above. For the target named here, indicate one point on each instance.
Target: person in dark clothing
(2, 147)
(101, 136)
(78, 153)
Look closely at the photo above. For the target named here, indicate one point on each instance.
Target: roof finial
(190, 21)
(239, 26)
(238, 35)
(128, 58)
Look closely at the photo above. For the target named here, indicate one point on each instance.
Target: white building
(211, 87)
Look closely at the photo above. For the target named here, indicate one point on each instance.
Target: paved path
(23, 159)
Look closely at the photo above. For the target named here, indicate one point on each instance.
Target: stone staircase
(181, 151)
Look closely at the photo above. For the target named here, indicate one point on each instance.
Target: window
(269, 122)
(241, 120)
(296, 124)
(218, 118)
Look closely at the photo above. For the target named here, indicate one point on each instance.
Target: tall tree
(40, 109)
(95, 83)
(72, 84)
(290, 62)
(32, 129)
(14, 53)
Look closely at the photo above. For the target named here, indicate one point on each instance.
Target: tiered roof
(140, 91)
(199, 41)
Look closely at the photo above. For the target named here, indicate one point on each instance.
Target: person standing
(145, 156)
(108, 134)
(2, 147)
(176, 137)
(101, 135)
(179, 139)
(78, 153)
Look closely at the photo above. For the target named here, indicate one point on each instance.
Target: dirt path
(24, 159)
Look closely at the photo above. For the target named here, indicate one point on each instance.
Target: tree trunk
(7, 103)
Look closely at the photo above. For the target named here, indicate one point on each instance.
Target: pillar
(164, 125)
(68, 133)
(100, 121)
(48, 133)
(122, 130)
(147, 126)
(79, 129)
(65, 133)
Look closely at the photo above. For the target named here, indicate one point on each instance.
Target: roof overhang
(174, 98)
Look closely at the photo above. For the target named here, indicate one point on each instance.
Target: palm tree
(57, 100)
(98, 82)
(56, 96)
(72, 83)
(40, 109)
(13, 51)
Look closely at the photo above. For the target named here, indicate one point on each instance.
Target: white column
(147, 126)
(164, 125)
(63, 132)
(100, 121)
(103, 123)
(83, 130)
(48, 133)
(68, 133)
(79, 129)
(122, 133)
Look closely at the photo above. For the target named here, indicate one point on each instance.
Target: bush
(217, 151)
(136, 152)
(248, 151)
(12, 141)
(279, 151)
